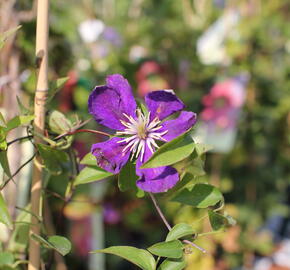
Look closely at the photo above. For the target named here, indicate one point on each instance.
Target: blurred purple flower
(111, 35)
(111, 215)
(219, 3)
(113, 106)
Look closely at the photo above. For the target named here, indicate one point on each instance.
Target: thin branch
(19, 139)
(56, 195)
(30, 213)
(82, 130)
(194, 245)
(74, 128)
(169, 227)
(17, 171)
(160, 212)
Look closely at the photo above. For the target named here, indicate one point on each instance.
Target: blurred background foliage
(254, 176)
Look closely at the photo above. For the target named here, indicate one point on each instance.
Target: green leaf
(178, 231)
(5, 35)
(2, 121)
(192, 164)
(52, 158)
(60, 244)
(201, 196)
(18, 121)
(171, 264)
(20, 235)
(184, 181)
(3, 142)
(231, 221)
(4, 163)
(55, 86)
(171, 152)
(171, 249)
(140, 193)
(217, 221)
(3, 145)
(202, 148)
(127, 177)
(91, 174)
(22, 108)
(58, 123)
(142, 106)
(41, 240)
(139, 257)
(89, 159)
(6, 258)
(4, 214)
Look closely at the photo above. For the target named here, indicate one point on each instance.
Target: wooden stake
(39, 121)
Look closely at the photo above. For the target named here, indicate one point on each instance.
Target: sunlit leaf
(172, 264)
(139, 257)
(179, 230)
(91, 174)
(2, 121)
(200, 196)
(18, 121)
(202, 148)
(170, 249)
(3, 142)
(171, 152)
(89, 159)
(60, 244)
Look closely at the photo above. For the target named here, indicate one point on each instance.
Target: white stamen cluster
(141, 132)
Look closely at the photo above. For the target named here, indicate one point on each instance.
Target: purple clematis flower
(113, 106)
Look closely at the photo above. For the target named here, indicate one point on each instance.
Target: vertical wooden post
(39, 121)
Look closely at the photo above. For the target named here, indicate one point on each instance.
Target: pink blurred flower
(149, 78)
(223, 102)
(81, 235)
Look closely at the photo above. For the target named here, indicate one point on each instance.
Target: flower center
(141, 132)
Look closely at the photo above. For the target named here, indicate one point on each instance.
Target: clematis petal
(155, 180)
(108, 103)
(109, 155)
(163, 103)
(178, 126)
(121, 85)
